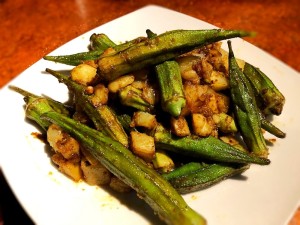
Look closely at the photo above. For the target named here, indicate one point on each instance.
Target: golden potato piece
(142, 145)
(69, 168)
(83, 74)
(95, 174)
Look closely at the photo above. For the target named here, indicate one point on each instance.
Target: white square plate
(264, 195)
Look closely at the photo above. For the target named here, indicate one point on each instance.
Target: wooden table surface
(31, 29)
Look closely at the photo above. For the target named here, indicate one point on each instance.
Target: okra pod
(100, 42)
(133, 97)
(171, 88)
(163, 47)
(149, 185)
(225, 123)
(125, 120)
(269, 99)
(209, 148)
(245, 108)
(196, 176)
(272, 99)
(45, 104)
(74, 59)
(271, 128)
(102, 116)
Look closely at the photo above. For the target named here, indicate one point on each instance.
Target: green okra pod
(272, 99)
(269, 99)
(184, 169)
(149, 185)
(246, 110)
(225, 123)
(209, 148)
(156, 50)
(133, 97)
(45, 104)
(102, 116)
(154, 189)
(196, 176)
(271, 128)
(125, 120)
(74, 59)
(171, 88)
(100, 42)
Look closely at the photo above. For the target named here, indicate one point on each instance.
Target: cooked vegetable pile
(162, 115)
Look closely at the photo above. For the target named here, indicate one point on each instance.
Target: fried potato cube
(204, 100)
(83, 74)
(95, 174)
(120, 83)
(186, 64)
(202, 126)
(180, 127)
(100, 95)
(142, 145)
(143, 119)
(118, 185)
(223, 102)
(218, 81)
(67, 167)
(63, 143)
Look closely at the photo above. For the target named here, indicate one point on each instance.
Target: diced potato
(211, 102)
(180, 127)
(143, 119)
(83, 74)
(139, 84)
(192, 93)
(120, 83)
(215, 55)
(202, 126)
(206, 70)
(95, 174)
(186, 64)
(70, 168)
(218, 81)
(223, 102)
(191, 75)
(163, 162)
(100, 96)
(91, 63)
(63, 143)
(201, 99)
(142, 145)
(118, 185)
